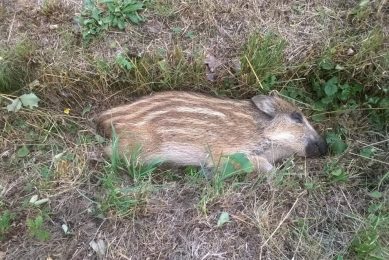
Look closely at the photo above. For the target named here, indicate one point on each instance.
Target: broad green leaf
(367, 152)
(331, 86)
(86, 109)
(106, 1)
(133, 7)
(364, 3)
(135, 18)
(337, 172)
(29, 100)
(309, 185)
(99, 139)
(22, 152)
(318, 117)
(375, 194)
(326, 64)
(242, 162)
(121, 25)
(336, 144)
(356, 88)
(15, 106)
(327, 100)
(124, 63)
(345, 94)
(223, 218)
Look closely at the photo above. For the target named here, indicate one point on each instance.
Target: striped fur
(193, 129)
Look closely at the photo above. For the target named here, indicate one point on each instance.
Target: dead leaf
(2, 255)
(212, 64)
(99, 247)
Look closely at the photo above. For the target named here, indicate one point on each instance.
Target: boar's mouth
(315, 148)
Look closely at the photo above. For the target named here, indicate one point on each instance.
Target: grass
(36, 229)
(5, 223)
(329, 58)
(15, 69)
(262, 60)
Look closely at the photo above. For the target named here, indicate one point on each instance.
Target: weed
(335, 172)
(100, 15)
(335, 142)
(50, 6)
(125, 199)
(369, 242)
(262, 60)
(334, 95)
(124, 62)
(164, 9)
(230, 167)
(15, 70)
(36, 229)
(161, 70)
(5, 223)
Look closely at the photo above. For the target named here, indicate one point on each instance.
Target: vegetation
(329, 58)
(35, 228)
(14, 68)
(5, 223)
(101, 15)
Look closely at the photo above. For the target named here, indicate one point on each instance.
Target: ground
(61, 199)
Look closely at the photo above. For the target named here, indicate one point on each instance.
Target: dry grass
(303, 213)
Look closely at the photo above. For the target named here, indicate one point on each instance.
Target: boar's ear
(267, 104)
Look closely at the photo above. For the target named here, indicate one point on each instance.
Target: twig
(10, 28)
(281, 222)
(365, 157)
(255, 74)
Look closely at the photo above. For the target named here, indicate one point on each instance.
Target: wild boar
(187, 128)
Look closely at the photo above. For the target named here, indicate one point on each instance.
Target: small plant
(14, 67)
(26, 100)
(334, 95)
(335, 142)
(229, 167)
(336, 173)
(370, 241)
(100, 15)
(125, 198)
(262, 60)
(5, 223)
(36, 229)
(124, 62)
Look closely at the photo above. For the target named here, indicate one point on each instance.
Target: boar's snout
(316, 147)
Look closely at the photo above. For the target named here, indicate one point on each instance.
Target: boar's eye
(297, 117)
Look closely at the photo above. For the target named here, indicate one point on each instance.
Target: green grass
(36, 229)
(15, 69)
(262, 60)
(371, 241)
(127, 181)
(6, 218)
(223, 175)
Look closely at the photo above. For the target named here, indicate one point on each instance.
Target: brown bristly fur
(193, 129)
